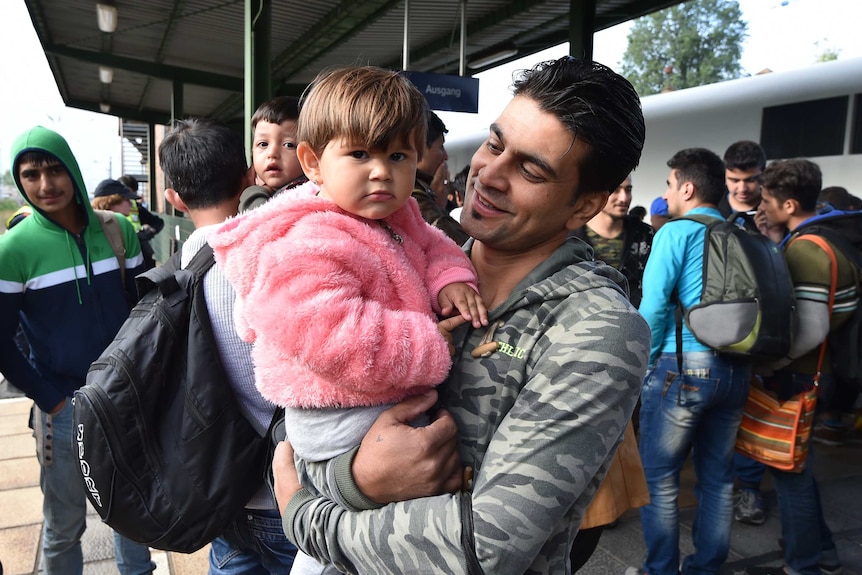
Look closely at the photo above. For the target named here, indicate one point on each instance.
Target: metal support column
(153, 197)
(177, 101)
(258, 84)
(462, 53)
(582, 19)
(405, 60)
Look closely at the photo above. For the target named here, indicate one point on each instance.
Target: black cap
(111, 187)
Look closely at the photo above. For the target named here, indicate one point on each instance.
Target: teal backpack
(747, 306)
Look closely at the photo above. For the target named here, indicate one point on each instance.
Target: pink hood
(339, 312)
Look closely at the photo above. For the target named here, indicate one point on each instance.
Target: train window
(805, 129)
(856, 127)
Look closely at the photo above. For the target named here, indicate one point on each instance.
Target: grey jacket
(539, 421)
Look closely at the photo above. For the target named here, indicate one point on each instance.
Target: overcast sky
(783, 35)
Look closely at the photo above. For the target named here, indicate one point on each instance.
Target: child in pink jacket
(339, 282)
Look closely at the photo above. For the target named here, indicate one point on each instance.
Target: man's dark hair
(704, 169)
(38, 158)
(129, 181)
(638, 212)
(599, 107)
(798, 179)
(204, 161)
(436, 128)
(836, 196)
(744, 155)
(277, 110)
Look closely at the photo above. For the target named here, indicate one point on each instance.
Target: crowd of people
(480, 394)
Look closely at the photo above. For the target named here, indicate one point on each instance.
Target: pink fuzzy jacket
(340, 314)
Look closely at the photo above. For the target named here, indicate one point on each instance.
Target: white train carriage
(814, 112)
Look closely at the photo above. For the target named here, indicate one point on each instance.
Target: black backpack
(844, 231)
(167, 457)
(747, 305)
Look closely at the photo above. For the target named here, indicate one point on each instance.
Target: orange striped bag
(775, 432)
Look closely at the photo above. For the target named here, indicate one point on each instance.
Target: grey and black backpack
(747, 306)
(167, 456)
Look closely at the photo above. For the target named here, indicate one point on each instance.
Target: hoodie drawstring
(487, 345)
(74, 268)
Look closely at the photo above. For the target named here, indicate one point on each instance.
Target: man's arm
(148, 218)
(539, 470)
(660, 276)
(13, 365)
(134, 261)
(810, 271)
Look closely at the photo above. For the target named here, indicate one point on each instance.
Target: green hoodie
(64, 289)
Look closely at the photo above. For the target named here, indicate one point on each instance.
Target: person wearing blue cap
(658, 213)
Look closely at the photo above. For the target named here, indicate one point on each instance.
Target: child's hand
(467, 302)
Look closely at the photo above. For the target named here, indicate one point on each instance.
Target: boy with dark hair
(273, 151)
(60, 279)
(790, 191)
(204, 163)
(432, 178)
(743, 162)
(693, 407)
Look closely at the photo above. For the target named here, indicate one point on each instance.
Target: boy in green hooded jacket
(61, 281)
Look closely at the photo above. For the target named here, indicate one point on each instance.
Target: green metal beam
(177, 101)
(161, 71)
(582, 20)
(475, 28)
(146, 116)
(342, 22)
(163, 44)
(257, 39)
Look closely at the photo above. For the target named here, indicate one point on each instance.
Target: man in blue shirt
(700, 410)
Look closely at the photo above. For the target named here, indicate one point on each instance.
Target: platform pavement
(21, 510)
(839, 470)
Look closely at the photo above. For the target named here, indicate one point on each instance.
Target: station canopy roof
(200, 44)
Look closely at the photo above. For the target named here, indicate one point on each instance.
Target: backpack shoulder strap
(111, 228)
(699, 218)
(846, 247)
(202, 261)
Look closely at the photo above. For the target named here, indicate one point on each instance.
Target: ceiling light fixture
(481, 59)
(106, 74)
(106, 13)
(104, 107)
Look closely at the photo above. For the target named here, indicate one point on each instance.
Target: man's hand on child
(284, 478)
(397, 461)
(462, 297)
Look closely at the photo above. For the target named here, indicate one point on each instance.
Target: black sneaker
(749, 507)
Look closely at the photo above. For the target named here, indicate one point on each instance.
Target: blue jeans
(698, 412)
(64, 503)
(748, 471)
(807, 539)
(132, 558)
(254, 544)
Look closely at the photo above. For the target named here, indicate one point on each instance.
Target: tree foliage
(698, 41)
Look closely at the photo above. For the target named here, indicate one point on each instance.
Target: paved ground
(839, 470)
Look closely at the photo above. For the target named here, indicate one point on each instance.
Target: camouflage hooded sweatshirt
(539, 421)
(63, 288)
